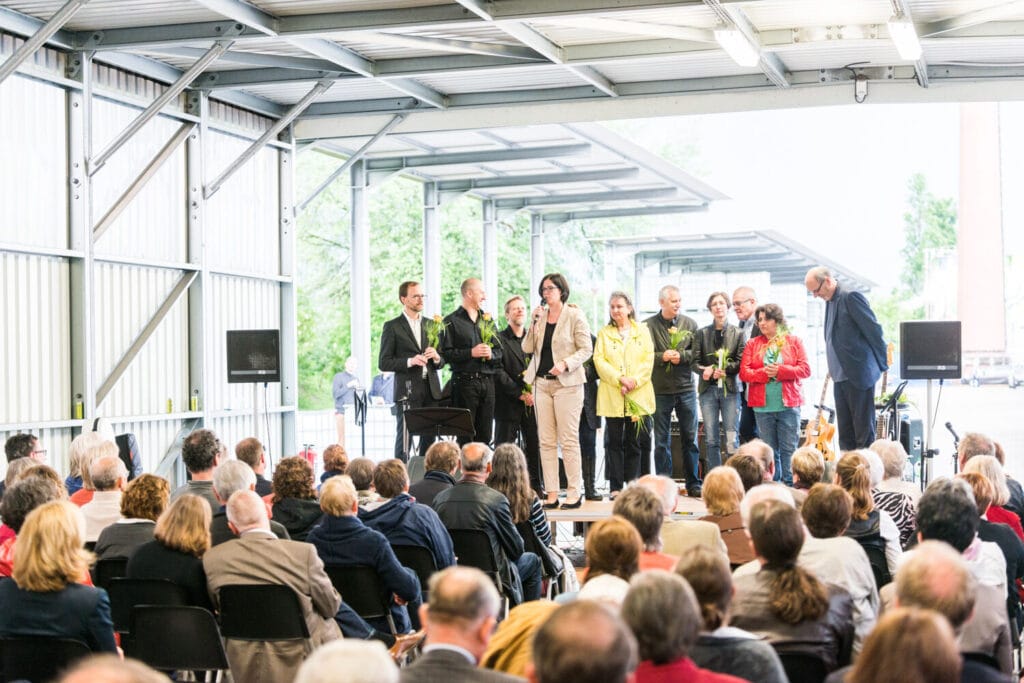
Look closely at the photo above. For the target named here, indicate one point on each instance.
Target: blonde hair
(854, 475)
(723, 491)
(81, 455)
(988, 467)
(49, 554)
(185, 525)
(338, 495)
(808, 464)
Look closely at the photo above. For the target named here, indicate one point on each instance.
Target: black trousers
(588, 456)
(419, 397)
(748, 424)
(855, 416)
(510, 431)
(475, 392)
(624, 449)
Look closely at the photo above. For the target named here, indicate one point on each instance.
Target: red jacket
(793, 368)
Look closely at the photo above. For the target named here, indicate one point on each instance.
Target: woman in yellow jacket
(624, 359)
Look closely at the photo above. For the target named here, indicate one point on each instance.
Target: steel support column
(289, 320)
(536, 248)
(359, 258)
(79, 136)
(490, 275)
(197, 104)
(432, 248)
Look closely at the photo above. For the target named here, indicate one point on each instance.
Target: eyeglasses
(820, 285)
(39, 452)
(416, 296)
(550, 288)
(737, 304)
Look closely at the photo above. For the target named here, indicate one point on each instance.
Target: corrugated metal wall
(241, 236)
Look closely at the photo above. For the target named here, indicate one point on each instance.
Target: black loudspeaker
(676, 443)
(254, 356)
(930, 349)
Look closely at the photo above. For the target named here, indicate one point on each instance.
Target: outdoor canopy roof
(345, 67)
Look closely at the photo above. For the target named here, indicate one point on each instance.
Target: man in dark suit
(513, 401)
(472, 504)
(404, 350)
(856, 356)
(472, 361)
(441, 464)
(234, 475)
(459, 621)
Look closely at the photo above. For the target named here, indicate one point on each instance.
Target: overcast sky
(834, 178)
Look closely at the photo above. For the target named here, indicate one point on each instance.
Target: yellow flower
(672, 330)
(487, 317)
(438, 318)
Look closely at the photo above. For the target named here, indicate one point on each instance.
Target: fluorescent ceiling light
(902, 32)
(738, 47)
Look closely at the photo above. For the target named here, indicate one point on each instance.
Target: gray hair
(875, 467)
(105, 472)
(246, 510)
(80, 453)
(664, 488)
(462, 595)
(666, 290)
(893, 455)
(763, 492)
(231, 476)
(662, 635)
(820, 273)
(349, 661)
(475, 457)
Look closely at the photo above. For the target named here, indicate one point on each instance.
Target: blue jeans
(685, 407)
(714, 404)
(781, 430)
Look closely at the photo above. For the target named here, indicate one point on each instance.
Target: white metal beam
(969, 19)
(39, 37)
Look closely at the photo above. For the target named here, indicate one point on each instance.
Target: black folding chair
(421, 561)
(110, 568)
(473, 549)
(38, 659)
(361, 588)
(128, 593)
(261, 612)
(177, 638)
(803, 668)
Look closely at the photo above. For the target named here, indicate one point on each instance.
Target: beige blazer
(571, 343)
(260, 559)
(679, 536)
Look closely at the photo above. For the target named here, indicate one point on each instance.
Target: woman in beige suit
(559, 344)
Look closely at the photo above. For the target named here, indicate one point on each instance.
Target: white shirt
(414, 325)
(103, 510)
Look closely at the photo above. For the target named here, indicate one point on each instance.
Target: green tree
(929, 223)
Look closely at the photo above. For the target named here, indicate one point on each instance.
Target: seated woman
(81, 453)
(808, 468)
(783, 602)
(181, 538)
(294, 500)
(144, 499)
(723, 491)
(720, 647)
(341, 539)
(869, 526)
(44, 597)
(335, 462)
(19, 500)
(909, 644)
(510, 477)
(612, 548)
(988, 466)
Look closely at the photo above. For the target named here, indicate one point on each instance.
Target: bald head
(934, 576)
(664, 488)
(585, 642)
(476, 457)
(108, 473)
(247, 511)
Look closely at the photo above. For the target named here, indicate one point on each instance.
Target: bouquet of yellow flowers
(434, 327)
(488, 330)
(774, 352)
(675, 338)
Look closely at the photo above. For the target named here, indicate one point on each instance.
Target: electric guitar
(820, 431)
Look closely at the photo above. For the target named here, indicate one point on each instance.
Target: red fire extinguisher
(309, 454)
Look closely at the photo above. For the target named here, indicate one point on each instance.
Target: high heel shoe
(553, 505)
(572, 506)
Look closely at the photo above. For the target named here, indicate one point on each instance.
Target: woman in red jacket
(772, 366)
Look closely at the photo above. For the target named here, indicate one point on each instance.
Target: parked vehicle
(993, 368)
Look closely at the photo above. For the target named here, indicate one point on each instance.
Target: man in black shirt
(673, 386)
(471, 347)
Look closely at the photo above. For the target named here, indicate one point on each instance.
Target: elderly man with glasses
(744, 303)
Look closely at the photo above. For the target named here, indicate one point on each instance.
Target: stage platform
(592, 511)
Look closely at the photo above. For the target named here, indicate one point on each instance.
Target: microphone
(536, 316)
(956, 437)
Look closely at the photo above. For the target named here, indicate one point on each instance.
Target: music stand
(457, 422)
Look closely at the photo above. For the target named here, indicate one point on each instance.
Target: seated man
(583, 642)
(360, 470)
(472, 504)
(642, 508)
(342, 539)
(678, 536)
(664, 636)
(749, 468)
(459, 621)
(201, 453)
(250, 451)
(766, 455)
(442, 462)
(233, 475)
(402, 520)
(109, 478)
(259, 557)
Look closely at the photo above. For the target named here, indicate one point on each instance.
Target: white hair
(875, 466)
(349, 661)
(231, 476)
(762, 492)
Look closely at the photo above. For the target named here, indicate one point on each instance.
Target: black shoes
(551, 506)
(572, 506)
(593, 495)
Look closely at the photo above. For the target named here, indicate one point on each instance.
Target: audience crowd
(845, 573)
